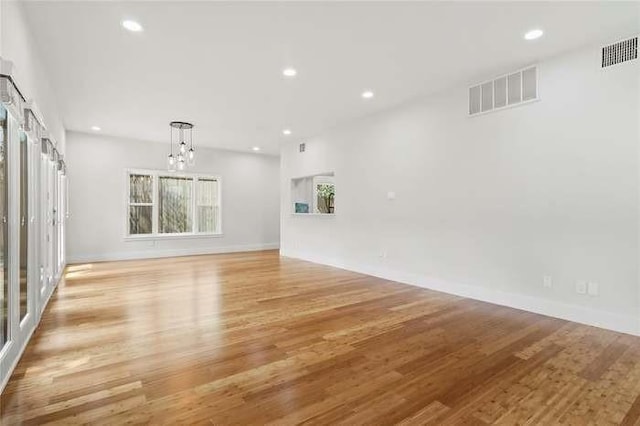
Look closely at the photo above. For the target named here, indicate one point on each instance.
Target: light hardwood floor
(253, 338)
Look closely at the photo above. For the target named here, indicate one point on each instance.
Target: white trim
(313, 214)
(597, 318)
(189, 235)
(327, 174)
(154, 254)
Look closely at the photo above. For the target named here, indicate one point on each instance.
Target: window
(163, 204)
(325, 193)
(140, 204)
(207, 205)
(174, 205)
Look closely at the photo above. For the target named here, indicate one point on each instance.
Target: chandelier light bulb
(171, 163)
(183, 147)
(191, 157)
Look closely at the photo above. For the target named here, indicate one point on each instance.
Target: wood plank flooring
(252, 338)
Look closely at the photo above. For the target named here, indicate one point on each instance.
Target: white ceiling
(219, 64)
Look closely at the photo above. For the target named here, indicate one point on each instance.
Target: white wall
(487, 206)
(96, 169)
(18, 46)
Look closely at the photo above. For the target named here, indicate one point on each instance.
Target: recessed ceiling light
(95, 128)
(533, 34)
(132, 26)
(256, 148)
(286, 132)
(367, 94)
(289, 72)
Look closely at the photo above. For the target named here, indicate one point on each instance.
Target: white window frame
(155, 234)
(152, 204)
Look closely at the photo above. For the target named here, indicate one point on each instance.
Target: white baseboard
(155, 253)
(597, 318)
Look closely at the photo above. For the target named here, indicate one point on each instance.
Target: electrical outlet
(547, 281)
(581, 287)
(592, 289)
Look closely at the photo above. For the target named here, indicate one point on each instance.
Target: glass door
(59, 219)
(47, 223)
(53, 200)
(24, 263)
(4, 230)
(26, 279)
(18, 293)
(33, 151)
(62, 217)
(44, 218)
(32, 193)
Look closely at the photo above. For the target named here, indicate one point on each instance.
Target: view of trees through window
(326, 193)
(166, 204)
(207, 205)
(174, 205)
(140, 204)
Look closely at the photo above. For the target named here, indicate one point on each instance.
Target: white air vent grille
(504, 91)
(622, 51)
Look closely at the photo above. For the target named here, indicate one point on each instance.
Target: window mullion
(217, 209)
(194, 202)
(155, 208)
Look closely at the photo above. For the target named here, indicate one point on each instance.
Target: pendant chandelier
(185, 156)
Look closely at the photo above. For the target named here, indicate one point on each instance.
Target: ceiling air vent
(505, 91)
(302, 147)
(619, 52)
